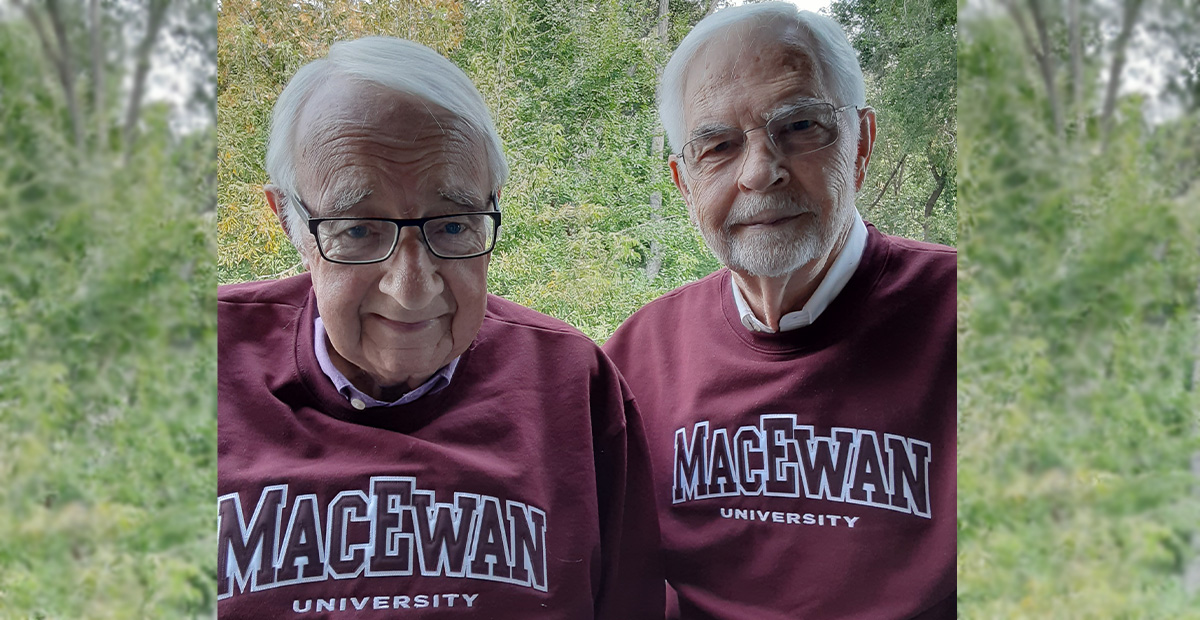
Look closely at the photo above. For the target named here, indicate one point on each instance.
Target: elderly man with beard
(393, 441)
(800, 403)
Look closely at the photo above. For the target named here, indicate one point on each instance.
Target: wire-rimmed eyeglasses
(365, 240)
(796, 130)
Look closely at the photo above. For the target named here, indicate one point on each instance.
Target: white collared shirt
(360, 400)
(835, 280)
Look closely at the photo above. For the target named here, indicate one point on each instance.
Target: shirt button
(358, 404)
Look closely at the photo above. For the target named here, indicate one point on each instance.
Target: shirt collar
(359, 399)
(835, 280)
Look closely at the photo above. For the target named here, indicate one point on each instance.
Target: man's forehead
(774, 62)
(352, 136)
(344, 107)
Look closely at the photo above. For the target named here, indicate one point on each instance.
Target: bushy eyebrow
(784, 109)
(469, 201)
(346, 199)
(709, 130)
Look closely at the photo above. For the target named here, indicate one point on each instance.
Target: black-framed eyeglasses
(797, 130)
(365, 240)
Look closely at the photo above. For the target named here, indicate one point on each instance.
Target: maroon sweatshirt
(522, 490)
(809, 473)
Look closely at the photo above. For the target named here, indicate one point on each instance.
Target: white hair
(395, 64)
(835, 56)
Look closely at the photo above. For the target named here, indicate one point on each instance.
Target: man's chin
(772, 255)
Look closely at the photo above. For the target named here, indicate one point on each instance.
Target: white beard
(775, 251)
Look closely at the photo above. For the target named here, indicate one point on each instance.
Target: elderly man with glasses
(393, 441)
(800, 403)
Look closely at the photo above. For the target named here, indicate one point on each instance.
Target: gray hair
(395, 64)
(838, 61)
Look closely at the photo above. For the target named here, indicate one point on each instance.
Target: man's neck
(772, 297)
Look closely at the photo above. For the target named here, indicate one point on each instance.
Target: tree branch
(154, 22)
(1132, 7)
(883, 190)
(933, 198)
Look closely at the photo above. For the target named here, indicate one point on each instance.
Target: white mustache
(764, 208)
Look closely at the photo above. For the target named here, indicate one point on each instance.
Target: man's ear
(866, 144)
(275, 199)
(677, 175)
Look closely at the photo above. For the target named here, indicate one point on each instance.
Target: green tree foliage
(1077, 339)
(107, 356)
(576, 84)
(571, 85)
(907, 51)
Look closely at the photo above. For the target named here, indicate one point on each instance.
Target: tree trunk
(1041, 54)
(1076, 46)
(67, 71)
(654, 262)
(154, 22)
(98, 79)
(933, 198)
(1046, 62)
(58, 52)
(1132, 7)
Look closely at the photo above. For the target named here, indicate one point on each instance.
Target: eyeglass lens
(800, 131)
(363, 241)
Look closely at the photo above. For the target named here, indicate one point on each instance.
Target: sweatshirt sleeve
(632, 569)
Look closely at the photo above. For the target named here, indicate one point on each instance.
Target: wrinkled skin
(366, 151)
(776, 222)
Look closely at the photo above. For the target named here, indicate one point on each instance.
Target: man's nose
(762, 164)
(411, 276)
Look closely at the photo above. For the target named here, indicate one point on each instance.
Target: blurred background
(1079, 419)
(107, 308)
(1075, 162)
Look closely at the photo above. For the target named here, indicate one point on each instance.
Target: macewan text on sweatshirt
(394, 529)
(781, 458)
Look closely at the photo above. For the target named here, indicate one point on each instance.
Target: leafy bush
(107, 363)
(1077, 289)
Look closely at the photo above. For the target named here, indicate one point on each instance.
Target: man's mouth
(407, 326)
(769, 220)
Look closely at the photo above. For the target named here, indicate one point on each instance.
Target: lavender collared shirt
(360, 400)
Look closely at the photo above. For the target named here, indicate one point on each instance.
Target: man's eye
(357, 232)
(716, 148)
(796, 126)
(453, 228)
